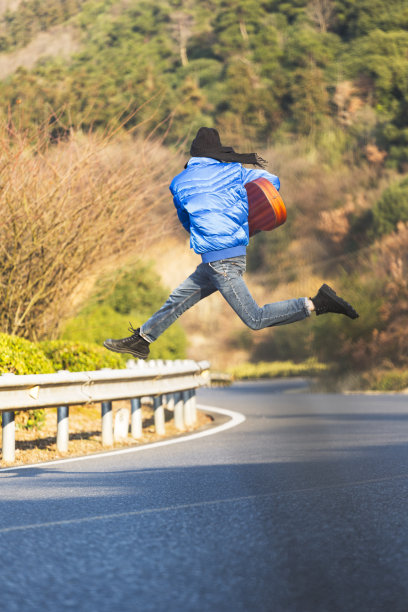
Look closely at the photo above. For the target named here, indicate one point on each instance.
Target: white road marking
(176, 507)
(236, 418)
(116, 515)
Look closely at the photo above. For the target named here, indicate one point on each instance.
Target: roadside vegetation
(126, 296)
(90, 141)
(277, 369)
(359, 244)
(70, 210)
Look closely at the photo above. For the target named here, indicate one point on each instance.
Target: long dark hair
(207, 143)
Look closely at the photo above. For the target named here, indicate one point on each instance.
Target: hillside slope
(253, 68)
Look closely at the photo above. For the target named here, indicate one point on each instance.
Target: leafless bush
(67, 211)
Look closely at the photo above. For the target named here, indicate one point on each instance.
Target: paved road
(301, 508)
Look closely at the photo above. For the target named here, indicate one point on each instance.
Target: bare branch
(69, 210)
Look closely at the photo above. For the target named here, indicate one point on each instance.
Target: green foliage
(380, 57)
(170, 345)
(287, 342)
(79, 356)
(277, 369)
(96, 324)
(355, 18)
(34, 16)
(30, 419)
(20, 356)
(341, 342)
(248, 67)
(391, 208)
(131, 295)
(134, 288)
(289, 9)
(332, 339)
(383, 218)
(393, 380)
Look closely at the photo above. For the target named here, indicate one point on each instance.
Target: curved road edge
(235, 418)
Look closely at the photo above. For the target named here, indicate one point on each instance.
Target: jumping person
(212, 205)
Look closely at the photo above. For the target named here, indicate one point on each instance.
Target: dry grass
(68, 211)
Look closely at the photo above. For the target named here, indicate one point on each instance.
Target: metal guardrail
(220, 379)
(171, 383)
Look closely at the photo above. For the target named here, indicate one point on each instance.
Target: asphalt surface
(301, 508)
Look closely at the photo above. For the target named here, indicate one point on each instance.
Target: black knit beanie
(207, 143)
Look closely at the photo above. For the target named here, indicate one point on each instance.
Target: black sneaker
(135, 344)
(327, 300)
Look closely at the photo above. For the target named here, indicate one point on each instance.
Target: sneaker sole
(128, 351)
(349, 310)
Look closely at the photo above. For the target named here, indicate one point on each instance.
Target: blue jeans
(225, 276)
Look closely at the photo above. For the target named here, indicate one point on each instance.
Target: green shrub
(101, 322)
(135, 288)
(94, 325)
(80, 356)
(130, 295)
(277, 369)
(331, 339)
(393, 380)
(383, 217)
(171, 345)
(20, 356)
(340, 341)
(391, 208)
(285, 343)
(30, 419)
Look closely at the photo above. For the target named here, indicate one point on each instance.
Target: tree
(356, 18)
(321, 12)
(381, 59)
(67, 211)
(310, 100)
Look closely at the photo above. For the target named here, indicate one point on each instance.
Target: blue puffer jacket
(212, 205)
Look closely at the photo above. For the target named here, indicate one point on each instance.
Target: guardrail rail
(171, 383)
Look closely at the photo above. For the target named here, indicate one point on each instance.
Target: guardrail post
(9, 436)
(107, 424)
(62, 428)
(188, 409)
(170, 402)
(121, 427)
(136, 418)
(193, 405)
(179, 411)
(159, 415)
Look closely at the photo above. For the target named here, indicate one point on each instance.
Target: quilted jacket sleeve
(251, 175)
(181, 212)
